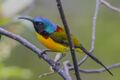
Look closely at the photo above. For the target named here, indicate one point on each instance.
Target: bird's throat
(44, 34)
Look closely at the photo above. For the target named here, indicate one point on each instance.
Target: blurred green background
(19, 63)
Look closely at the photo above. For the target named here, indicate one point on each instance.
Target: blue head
(42, 25)
(46, 24)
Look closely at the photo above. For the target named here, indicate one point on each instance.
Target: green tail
(95, 59)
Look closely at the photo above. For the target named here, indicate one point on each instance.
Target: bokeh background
(19, 63)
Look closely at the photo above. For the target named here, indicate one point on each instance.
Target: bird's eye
(39, 23)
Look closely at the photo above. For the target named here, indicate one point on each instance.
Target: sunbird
(54, 38)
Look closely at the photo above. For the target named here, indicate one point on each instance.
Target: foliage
(13, 72)
(6, 47)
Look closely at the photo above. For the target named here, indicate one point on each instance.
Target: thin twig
(66, 69)
(34, 49)
(82, 60)
(97, 70)
(59, 5)
(94, 24)
(47, 74)
(110, 6)
(93, 31)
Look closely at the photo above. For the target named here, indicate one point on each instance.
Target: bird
(54, 38)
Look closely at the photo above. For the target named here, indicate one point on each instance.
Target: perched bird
(54, 38)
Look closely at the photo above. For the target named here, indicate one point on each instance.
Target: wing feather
(60, 37)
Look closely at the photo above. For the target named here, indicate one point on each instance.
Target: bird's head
(42, 25)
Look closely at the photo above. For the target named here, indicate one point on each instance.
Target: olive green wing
(60, 37)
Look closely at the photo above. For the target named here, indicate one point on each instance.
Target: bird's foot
(47, 50)
(44, 52)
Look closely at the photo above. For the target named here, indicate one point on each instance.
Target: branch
(94, 24)
(67, 30)
(93, 31)
(97, 70)
(35, 50)
(65, 65)
(82, 60)
(110, 6)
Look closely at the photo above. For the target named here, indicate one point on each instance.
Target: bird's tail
(94, 58)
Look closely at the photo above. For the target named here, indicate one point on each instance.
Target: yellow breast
(50, 44)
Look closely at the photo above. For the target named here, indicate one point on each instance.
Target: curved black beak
(26, 18)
